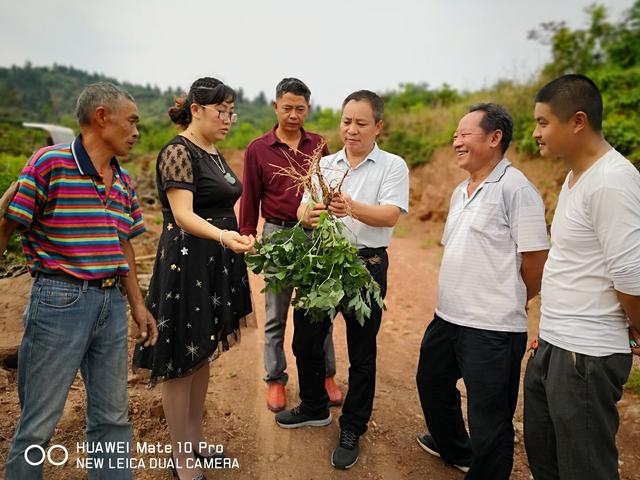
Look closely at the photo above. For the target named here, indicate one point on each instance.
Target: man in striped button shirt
(77, 211)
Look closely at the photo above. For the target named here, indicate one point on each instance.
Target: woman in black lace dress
(199, 292)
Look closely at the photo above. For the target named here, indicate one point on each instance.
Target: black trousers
(570, 414)
(308, 341)
(489, 363)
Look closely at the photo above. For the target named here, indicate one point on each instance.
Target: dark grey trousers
(570, 414)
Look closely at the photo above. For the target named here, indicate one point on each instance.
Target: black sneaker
(346, 453)
(295, 418)
(429, 445)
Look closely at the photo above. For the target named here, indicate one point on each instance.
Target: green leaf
(323, 268)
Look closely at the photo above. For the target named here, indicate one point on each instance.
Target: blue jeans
(69, 327)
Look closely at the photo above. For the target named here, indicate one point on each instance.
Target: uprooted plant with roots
(322, 265)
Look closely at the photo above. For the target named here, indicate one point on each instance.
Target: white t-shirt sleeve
(615, 213)
(525, 211)
(395, 186)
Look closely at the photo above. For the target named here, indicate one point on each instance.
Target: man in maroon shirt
(286, 144)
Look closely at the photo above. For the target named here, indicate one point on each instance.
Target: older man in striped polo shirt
(495, 246)
(77, 211)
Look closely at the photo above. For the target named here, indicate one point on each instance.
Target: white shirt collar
(495, 176)
(374, 155)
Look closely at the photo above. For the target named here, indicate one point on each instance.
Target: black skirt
(199, 294)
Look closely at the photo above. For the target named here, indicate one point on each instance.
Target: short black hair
(573, 93)
(496, 117)
(372, 98)
(293, 85)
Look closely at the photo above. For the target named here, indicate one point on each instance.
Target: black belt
(282, 223)
(108, 282)
(368, 252)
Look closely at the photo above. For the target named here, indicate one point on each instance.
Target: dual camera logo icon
(48, 454)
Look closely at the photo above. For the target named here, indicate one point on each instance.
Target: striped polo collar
(83, 161)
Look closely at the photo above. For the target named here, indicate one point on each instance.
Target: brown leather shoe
(276, 398)
(335, 394)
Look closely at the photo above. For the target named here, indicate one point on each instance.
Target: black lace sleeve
(175, 167)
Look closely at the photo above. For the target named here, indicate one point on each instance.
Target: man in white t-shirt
(495, 246)
(590, 292)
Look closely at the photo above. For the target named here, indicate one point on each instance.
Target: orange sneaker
(276, 398)
(335, 394)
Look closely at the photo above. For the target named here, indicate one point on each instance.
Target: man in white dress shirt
(374, 194)
(495, 245)
(590, 292)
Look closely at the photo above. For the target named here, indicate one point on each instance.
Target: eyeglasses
(463, 136)
(222, 114)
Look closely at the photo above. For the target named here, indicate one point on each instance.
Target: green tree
(609, 53)
(578, 50)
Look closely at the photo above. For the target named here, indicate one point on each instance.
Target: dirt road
(238, 418)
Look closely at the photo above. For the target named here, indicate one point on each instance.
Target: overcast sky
(335, 46)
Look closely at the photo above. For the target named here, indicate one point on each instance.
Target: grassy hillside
(48, 94)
